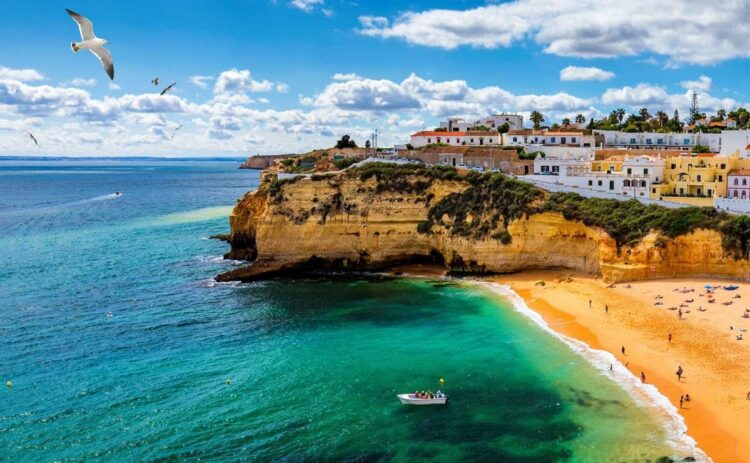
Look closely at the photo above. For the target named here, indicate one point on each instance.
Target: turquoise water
(121, 348)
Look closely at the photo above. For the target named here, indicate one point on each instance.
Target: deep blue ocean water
(120, 347)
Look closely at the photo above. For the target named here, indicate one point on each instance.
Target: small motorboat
(412, 399)
(117, 193)
(731, 287)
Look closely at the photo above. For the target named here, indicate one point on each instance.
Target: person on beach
(611, 368)
(643, 377)
(682, 399)
(679, 314)
(622, 349)
(589, 303)
(606, 309)
(748, 396)
(687, 397)
(670, 338)
(679, 373)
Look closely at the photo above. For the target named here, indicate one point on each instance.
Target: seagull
(174, 132)
(92, 43)
(168, 88)
(155, 81)
(33, 138)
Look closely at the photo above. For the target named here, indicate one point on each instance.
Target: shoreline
(716, 364)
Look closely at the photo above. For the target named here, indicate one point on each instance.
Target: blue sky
(291, 75)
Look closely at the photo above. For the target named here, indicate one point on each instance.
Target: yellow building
(613, 164)
(696, 179)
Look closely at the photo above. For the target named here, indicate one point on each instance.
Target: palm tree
(620, 114)
(721, 114)
(662, 117)
(580, 118)
(566, 122)
(645, 115)
(537, 118)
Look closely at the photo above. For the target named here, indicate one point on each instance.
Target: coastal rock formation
(349, 222)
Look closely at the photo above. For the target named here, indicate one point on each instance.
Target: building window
(429, 140)
(599, 183)
(744, 182)
(645, 171)
(648, 141)
(552, 140)
(721, 178)
(591, 183)
(626, 183)
(643, 184)
(736, 181)
(632, 141)
(572, 139)
(735, 193)
(630, 171)
(659, 141)
(699, 178)
(515, 139)
(611, 184)
(674, 166)
(723, 166)
(686, 141)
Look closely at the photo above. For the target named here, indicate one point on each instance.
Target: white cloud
(80, 82)
(339, 76)
(366, 94)
(657, 98)
(640, 95)
(113, 86)
(576, 73)
(201, 81)
(306, 5)
(236, 81)
(702, 84)
(684, 31)
(21, 75)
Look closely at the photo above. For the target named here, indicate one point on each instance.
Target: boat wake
(644, 394)
(55, 207)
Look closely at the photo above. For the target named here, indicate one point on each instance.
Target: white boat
(412, 399)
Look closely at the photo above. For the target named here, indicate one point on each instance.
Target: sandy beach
(640, 318)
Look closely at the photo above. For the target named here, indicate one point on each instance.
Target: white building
(527, 138)
(457, 124)
(474, 138)
(654, 140)
(733, 141)
(633, 179)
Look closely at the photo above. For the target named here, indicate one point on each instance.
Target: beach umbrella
(708, 286)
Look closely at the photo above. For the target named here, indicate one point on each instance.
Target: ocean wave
(212, 283)
(644, 394)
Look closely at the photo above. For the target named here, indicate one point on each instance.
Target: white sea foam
(644, 394)
(211, 283)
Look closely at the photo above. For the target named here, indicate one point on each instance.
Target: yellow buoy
(229, 381)
(9, 383)
(442, 380)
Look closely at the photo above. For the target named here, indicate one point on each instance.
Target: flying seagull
(155, 81)
(33, 138)
(174, 132)
(168, 88)
(92, 43)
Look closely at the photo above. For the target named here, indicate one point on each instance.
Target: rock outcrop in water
(379, 216)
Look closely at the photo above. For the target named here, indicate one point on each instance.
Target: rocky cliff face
(346, 223)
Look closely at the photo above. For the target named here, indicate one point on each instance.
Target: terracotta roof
(521, 132)
(747, 147)
(432, 133)
(739, 172)
(706, 155)
(564, 134)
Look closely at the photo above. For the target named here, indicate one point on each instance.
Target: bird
(33, 138)
(92, 43)
(168, 88)
(174, 132)
(155, 81)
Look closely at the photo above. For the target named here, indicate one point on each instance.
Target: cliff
(370, 220)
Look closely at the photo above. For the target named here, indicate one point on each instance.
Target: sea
(116, 344)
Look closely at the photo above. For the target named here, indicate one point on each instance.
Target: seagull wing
(168, 88)
(106, 58)
(85, 26)
(33, 138)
